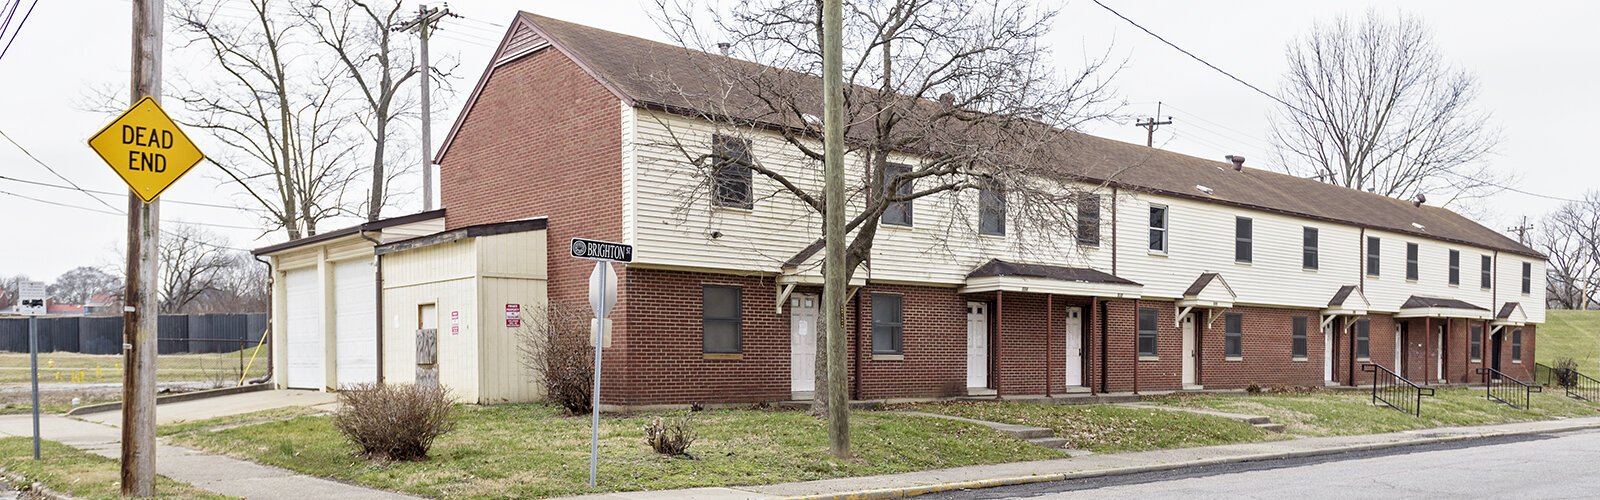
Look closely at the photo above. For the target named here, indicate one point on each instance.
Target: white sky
(1536, 63)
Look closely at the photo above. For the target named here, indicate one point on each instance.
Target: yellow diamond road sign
(147, 149)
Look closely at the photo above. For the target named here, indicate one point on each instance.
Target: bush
(394, 422)
(670, 437)
(555, 347)
(1253, 389)
(1565, 370)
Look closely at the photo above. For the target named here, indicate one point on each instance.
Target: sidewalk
(983, 476)
(216, 473)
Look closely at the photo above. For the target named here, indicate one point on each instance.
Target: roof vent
(1419, 200)
(725, 47)
(1238, 162)
(1204, 189)
(1419, 227)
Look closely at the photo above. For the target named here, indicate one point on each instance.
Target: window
(1089, 220)
(1455, 267)
(1147, 331)
(1372, 255)
(1308, 251)
(1233, 336)
(1516, 346)
(1363, 333)
(888, 329)
(1243, 230)
(1411, 261)
(1475, 343)
(1527, 278)
(1486, 272)
(1158, 228)
(991, 209)
(721, 319)
(898, 213)
(1297, 341)
(731, 172)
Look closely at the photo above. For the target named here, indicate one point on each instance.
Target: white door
(1191, 359)
(803, 315)
(1327, 353)
(303, 335)
(1074, 354)
(1438, 356)
(1399, 349)
(355, 323)
(977, 345)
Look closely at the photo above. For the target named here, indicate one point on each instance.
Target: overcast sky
(1535, 61)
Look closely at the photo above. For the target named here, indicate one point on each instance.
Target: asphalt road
(1539, 466)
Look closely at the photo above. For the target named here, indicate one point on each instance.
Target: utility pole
(139, 311)
(424, 23)
(833, 267)
(1522, 230)
(1150, 125)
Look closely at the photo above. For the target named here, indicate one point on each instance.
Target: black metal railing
(1543, 374)
(1501, 387)
(1581, 386)
(1396, 391)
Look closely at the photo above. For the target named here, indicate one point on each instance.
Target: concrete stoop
(1039, 436)
(1259, 421)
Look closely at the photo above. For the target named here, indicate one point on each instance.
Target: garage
(303, 333)
(355, 318)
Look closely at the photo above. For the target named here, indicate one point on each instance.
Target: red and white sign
(455, 322)
(513, 315)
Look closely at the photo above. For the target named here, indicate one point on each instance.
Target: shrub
(394, 422)
(670, 436)
(1564, 371)
(555, 348)
(1253, 389)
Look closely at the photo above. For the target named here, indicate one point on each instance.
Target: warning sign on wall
(455, 322)
(513, 315)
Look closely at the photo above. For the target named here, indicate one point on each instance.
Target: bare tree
(194, 262)
(1372, 105)
(555, 349)
(1570, 237)
(966, 88)
(9, 289)
(79, 284)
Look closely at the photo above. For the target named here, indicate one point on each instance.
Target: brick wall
(1266, 347)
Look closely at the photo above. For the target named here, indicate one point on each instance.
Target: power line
(20, 24)
(108, 193)
(60, 204)
(480, 21)
(53, 170)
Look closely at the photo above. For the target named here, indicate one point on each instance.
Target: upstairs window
(730, 174)
(1089, 220)
(1455, 267)
(888, 326)
(1475, 343)
(1486, 272)
(1233, 336)
(1308, 248)
(898, 213)
(1363, 339)
(1297, 339)
(721, 320)
(1148, 331)
(1411, 261)
(1243, 232)
(1158, 228)
(1527, 278)
(991, 209)
(1372, 255)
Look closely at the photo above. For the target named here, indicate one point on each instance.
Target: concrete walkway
(216, 473)
(981, 476)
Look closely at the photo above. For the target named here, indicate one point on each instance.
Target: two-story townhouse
(1181, 272)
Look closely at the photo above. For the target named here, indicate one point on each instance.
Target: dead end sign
(146, 149)
(513, 315)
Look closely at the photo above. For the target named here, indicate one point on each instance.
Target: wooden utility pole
(833, 267)
(422, 25)
(1150, 125)
(140, 310)
(1522, 230)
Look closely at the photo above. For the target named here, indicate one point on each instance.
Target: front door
(803, 315)
(1327, 353)
(1074, 357)
(1191, 359)
(1400, 348)
(1494, 350)
(977, 345)
(1438, 354)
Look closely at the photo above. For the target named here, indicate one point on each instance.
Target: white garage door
(303, 335)
(355, 321)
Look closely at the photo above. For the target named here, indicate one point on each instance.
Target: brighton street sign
(146, 149)
(601, 250)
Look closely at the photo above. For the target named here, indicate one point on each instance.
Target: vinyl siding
(442, 275)
(1388, 291)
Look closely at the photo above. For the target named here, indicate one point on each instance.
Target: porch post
(1136, 344)
(1049, 321)
(999, 333)
(1094, 316)
(1427, 348)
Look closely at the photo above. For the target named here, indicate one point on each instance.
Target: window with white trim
(1475, 343)
(1363, 339)
(1516, 345)
(1308, 248)
(1148, 331)
(1089, 220)
(1297, 338)
(722, 319)
(1233, 335)
(991, 208)
(898, 213)
(1243, 239)
(888, 324)
(1486, 272)
(1527, 278)
(731, 181)
(1158, 228)
(1455, 267)
(1373, 254)
(1411, 261)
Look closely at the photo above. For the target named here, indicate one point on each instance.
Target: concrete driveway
(222, 406)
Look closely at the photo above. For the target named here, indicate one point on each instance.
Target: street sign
(602, 289)
(31, 298)
(147, 149)
(601, 250)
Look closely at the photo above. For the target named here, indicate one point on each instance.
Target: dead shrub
(670, 436)
(1566, 372)
(394, 422)
(555, 347)
(1253, 389)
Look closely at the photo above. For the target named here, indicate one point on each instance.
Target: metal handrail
(1396, 391)
(1543, 374)
(1501, 387)
(1581, 386)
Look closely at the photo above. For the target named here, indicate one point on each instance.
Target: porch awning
(1348, 301)
(1437, 307)
(1209, 290)
(1511, 314)
(999, 275)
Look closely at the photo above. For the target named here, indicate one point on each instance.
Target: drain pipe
(377, 278)
(271, 318)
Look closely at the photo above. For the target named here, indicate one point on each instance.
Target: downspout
(1361, 260)
(377, 279)
(1350, 331)
(1103, 342)
(1113, 234)
(271, 284)
(855, 349)
(1049, 319)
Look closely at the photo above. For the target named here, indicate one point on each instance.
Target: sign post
(32, 296)
(602, 296)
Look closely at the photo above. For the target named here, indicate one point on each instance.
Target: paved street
(1538, 466)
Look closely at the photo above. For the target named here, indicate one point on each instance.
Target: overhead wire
(20, 24)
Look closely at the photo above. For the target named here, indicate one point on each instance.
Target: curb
(911, 491)
(171, 398)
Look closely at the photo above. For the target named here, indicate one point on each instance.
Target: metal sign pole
(594, 406)
(33, 356)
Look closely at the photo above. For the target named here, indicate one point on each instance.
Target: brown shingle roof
(1420, 302)
(997, 267)
(655, 75)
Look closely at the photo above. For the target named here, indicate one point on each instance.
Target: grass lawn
(1330, 413)
(1107, 428)
(535, 450)
(78, 474)
(1570, 334)
(70, 367)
